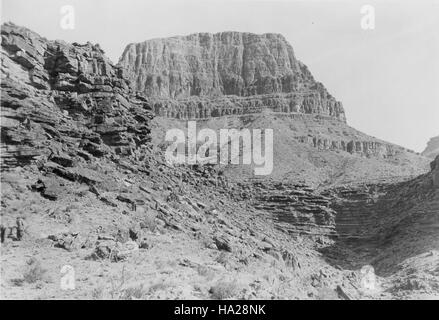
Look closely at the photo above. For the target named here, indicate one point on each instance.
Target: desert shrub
(117, 283)
(34, 271)
(326, 293)
(223, 290)
(222, 258)
(149, 221)
(133, 293)
(97, 293)
(119, 289)
(157, 287)
(160, 285)
(206, 272)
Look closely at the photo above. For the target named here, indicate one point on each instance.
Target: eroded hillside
(249, 81)
(85, 185)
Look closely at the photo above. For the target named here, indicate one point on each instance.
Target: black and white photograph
(234, 152)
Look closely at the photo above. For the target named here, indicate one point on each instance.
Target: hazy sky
(387, 78)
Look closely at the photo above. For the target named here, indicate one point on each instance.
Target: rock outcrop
(432, 149)
(367, 148)
(361, 212)
(68, 94)
(297, 208)
(209, 75)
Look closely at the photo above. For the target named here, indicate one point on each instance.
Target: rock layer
(370, 212)
(432, 149)
(368, 148)
(297, 208)
(208, 75)
(69, 94)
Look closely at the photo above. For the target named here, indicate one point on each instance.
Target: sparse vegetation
(117, 284)
(34, 271)
(97, 293)
(206, 272)
(159, 286)
(149, 221)
(326, 293)
(133, 293)
(222, 258)
(223, 290)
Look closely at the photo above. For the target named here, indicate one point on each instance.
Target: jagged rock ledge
(365, 148)
(202, 108)
(69, 94)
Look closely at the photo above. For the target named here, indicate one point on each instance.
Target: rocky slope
(226, 73)
(432, 149)
(311, 149)
(84, 188)
(393, 226)
(85, 185)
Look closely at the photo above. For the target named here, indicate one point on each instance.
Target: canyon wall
(69, 94)
(209, 75)
(432, 149)
(365, 211)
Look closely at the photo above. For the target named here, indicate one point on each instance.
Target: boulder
(223, 243)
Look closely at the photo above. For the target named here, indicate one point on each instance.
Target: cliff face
(207, 75)
(64, 101)
(432, 149)
(366, 148)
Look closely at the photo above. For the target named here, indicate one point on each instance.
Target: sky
(387, 78)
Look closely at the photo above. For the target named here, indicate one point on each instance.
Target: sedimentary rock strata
(367, 212)
(65, 93)
(209, 75)
(365, 148)
(297, 208)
